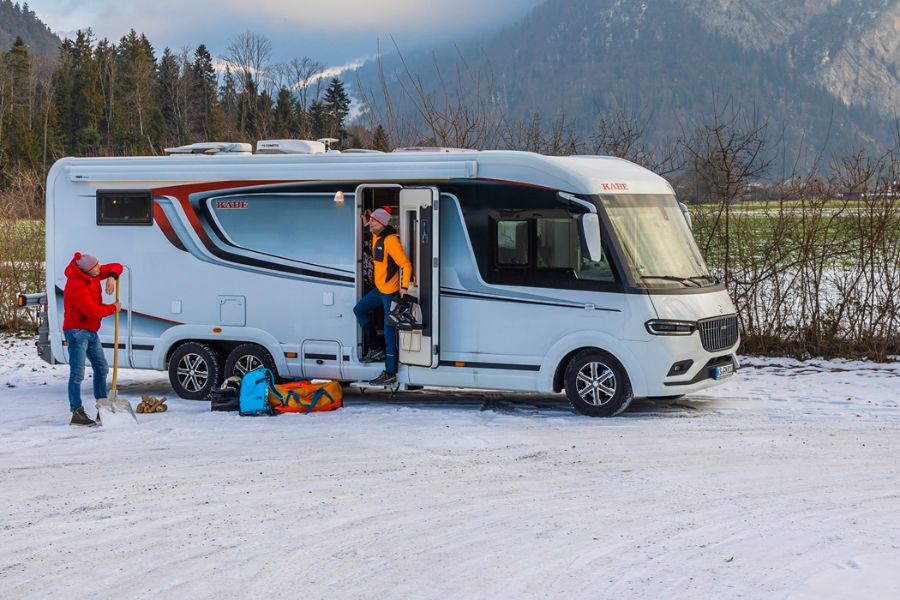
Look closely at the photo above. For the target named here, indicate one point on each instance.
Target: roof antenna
(328, 142)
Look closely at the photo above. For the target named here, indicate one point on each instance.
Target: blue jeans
(372, 301)
(85, 343)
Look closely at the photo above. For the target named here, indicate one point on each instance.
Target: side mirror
(686, 213)
(590, 233)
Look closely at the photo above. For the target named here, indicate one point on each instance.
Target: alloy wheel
(245, 364)
(193, 372)
(596, 383)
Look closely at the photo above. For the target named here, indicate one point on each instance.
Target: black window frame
(104, 195)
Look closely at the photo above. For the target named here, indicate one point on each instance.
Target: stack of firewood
(151, 404)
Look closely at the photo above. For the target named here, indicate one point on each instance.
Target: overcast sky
(332, 31)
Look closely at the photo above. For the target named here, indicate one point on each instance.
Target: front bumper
(717, 370)
(705, 370)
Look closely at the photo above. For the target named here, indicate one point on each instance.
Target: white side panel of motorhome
(177, 296)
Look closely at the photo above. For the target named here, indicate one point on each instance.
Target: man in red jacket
(84, 309)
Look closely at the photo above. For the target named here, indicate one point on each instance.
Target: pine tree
(229, 101)
(82, 123)
(337, 107)
(380, 140)
(140, 124)
(19, 144)
(283, 117)
(207, 121)
(263, 117)
(167, 97)
(319, 120)
(105, 55)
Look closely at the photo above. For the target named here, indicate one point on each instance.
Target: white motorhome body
(241, 259)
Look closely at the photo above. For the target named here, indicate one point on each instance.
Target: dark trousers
(375, 300)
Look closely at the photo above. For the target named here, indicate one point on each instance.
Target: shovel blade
(116, 412)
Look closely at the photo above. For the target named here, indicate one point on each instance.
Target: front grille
(718, 333)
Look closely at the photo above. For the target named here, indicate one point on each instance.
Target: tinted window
(557, 259)
(124, 208)
(310, 228)
(512, 243)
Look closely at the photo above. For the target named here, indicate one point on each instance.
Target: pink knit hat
(86, 262)
(381, 215)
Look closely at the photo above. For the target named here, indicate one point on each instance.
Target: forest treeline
(100, 98)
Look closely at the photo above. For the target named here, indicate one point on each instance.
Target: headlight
(668, 327)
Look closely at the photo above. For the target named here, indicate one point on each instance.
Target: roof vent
(289, 147)
(212, 148)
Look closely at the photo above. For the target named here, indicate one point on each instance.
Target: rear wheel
(597, 385)
(246, 358)
(194, 370)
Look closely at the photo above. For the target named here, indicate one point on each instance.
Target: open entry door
(419, 219)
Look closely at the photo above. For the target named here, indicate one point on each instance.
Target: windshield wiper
(708, 278)
(674, 278)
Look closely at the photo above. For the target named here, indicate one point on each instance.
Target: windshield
(655, 241)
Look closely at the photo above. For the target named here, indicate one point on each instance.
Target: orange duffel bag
(306, 397)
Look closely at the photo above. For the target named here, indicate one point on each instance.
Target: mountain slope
(16, 20)
(850, 48)
(825, 70)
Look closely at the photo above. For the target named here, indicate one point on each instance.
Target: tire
(612, 393)
(247, 357)
(194, 371)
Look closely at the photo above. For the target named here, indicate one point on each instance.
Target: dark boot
(386, 379)
(374, 355)
(80, 418)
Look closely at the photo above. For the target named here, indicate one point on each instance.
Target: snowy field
(783, 483)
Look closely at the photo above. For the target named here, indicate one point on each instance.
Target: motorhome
(532, 273)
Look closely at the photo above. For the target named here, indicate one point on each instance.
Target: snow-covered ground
(783, 483)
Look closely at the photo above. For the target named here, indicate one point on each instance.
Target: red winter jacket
(82, 298)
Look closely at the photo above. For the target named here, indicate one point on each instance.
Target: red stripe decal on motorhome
(162, 221)
(182, 194)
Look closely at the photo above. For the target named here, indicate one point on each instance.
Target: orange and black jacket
(390, 261)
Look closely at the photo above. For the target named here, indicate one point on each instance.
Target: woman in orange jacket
(393, 272)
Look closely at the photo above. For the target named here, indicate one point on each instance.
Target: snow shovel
(112, 409)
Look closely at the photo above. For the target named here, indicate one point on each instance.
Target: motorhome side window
(512, 243)
(124, 208)
(544, 251)
(307, 227)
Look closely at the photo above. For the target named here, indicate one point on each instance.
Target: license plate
(723, 372)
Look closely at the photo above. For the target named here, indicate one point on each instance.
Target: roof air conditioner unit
(212, 148)
(289, 147)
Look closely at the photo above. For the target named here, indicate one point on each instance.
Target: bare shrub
(21, 246)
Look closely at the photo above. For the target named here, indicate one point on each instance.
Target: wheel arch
(224, 342)
(561, 353)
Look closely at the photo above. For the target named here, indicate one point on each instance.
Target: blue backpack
(255, 387)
